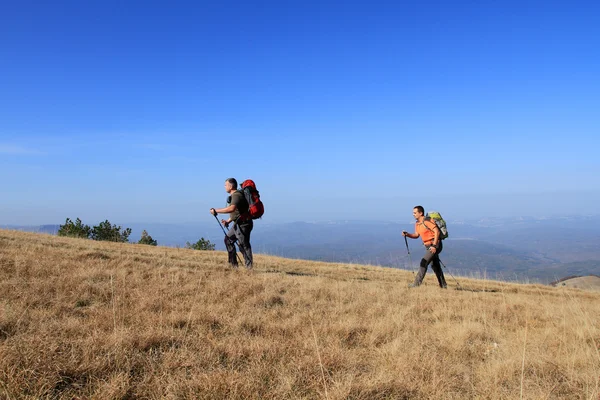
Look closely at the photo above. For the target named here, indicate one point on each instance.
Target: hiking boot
(444, 286)
(413, 285)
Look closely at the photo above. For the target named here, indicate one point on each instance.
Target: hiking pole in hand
(409, 256)
(444, 265)
(223, 229)
(219, 222)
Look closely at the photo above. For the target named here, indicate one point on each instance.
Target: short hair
(232, 181)
(420, 209)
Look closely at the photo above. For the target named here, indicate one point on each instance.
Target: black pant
(241, 234)
(434, 259)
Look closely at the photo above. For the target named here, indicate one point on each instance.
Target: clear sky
(138, 111)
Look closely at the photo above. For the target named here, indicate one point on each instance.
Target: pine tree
(74, 229)
(202, 244)
(147, 239)
(106, 231)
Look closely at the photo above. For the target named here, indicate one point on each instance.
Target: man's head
(230, 185)
(418, 212)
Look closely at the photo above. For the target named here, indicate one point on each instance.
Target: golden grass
(583, 282)
(85, 319)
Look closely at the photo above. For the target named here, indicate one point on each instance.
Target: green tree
(202, 244)
(110, 233)
(147, 239)
(74, 229)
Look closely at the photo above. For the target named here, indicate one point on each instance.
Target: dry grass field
(582, 282)
(84, 319)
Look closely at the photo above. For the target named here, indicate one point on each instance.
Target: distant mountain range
(51, 229)
(516, 249)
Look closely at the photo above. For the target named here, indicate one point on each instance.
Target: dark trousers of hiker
(240, 234)
(434, 259)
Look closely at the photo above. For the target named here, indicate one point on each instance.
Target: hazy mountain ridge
(520, 248)
(51, 229)
(523, 248)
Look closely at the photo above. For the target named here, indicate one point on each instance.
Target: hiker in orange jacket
(430, 233)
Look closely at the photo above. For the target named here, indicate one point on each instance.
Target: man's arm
(228, 209)
(411, 235)
(436, 239)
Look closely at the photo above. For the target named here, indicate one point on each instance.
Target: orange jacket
(426, 230)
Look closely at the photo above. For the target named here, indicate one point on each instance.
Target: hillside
(85, 319)
(517, 249)
(591, 282)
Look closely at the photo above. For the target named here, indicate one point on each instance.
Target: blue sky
(138, 111)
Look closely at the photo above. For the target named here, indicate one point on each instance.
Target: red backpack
(255, 206)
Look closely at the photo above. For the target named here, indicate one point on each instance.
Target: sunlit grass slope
(582, 282)
(85, 319)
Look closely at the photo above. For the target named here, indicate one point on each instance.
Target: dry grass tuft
(84, 319)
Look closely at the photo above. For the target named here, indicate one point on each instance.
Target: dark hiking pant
(434, 259)
(240, 234)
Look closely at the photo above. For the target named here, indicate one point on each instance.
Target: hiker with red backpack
(428, 230)
(244, 206)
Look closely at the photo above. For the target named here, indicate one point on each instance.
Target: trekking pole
(409, 256)
(444, 265)
(219, 222)
(223, 229)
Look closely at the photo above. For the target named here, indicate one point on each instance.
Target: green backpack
(439, 221)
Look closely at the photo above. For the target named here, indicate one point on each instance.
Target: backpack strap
(428, 228)
(244, 216)
(425, 225)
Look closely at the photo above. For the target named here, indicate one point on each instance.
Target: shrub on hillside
(147, 239)
(202, 244)
(74, 229)
(110, 233)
